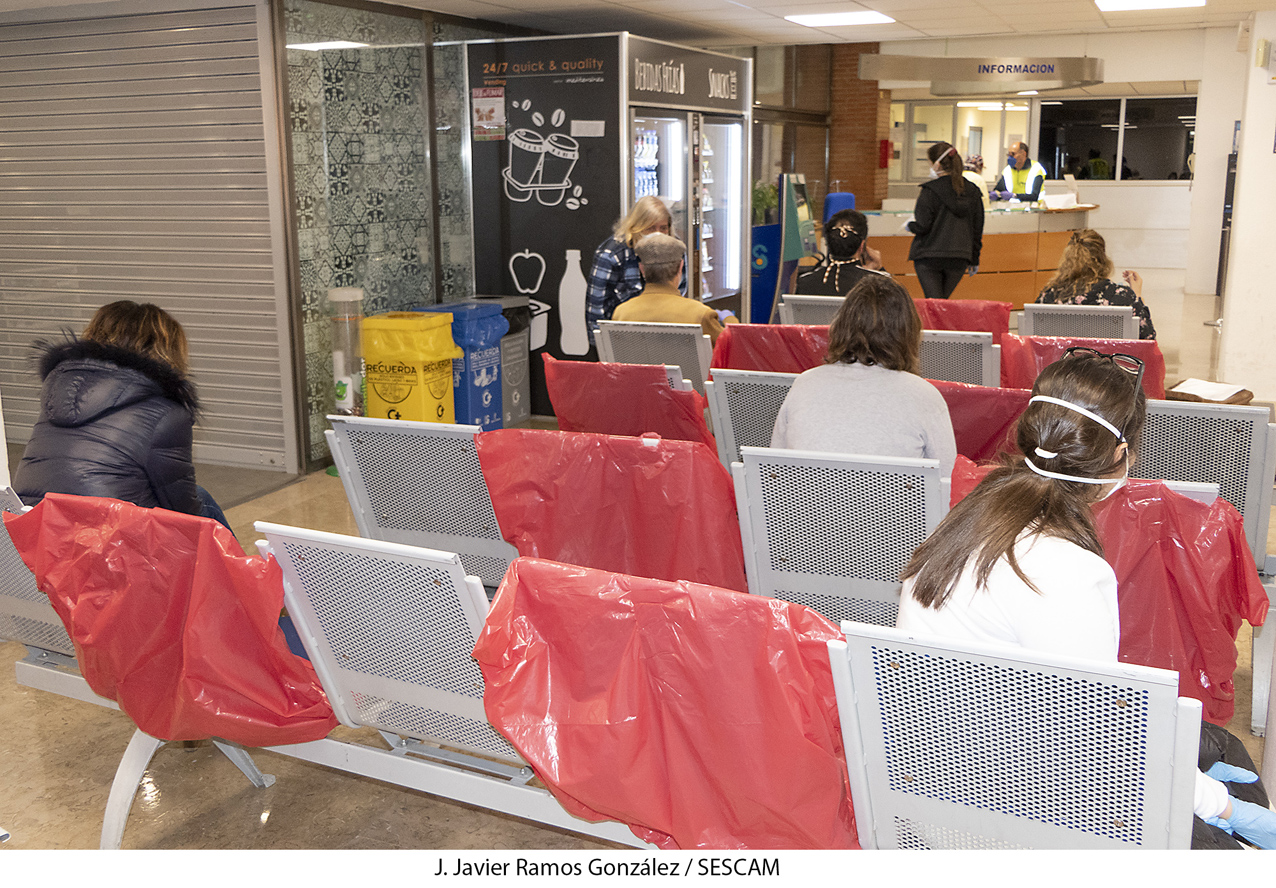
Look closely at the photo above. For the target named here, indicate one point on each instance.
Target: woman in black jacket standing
(116, 415)
(948, 225)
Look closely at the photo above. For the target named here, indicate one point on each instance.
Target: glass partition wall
(976, 127)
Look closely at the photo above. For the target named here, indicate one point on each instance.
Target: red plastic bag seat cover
(623, 399)
(700, 717)
(1023, 357)
(975, 315)
(641, 506)
(983, 418)
(1185, 580)
(775, 348)
(172, 620)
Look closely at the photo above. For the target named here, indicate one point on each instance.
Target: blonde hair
(647, 213)
(143, 328)
(1085, 260)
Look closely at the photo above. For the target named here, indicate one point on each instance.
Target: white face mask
(1118, 483)
(933, 173)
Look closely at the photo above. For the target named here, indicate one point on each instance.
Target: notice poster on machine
(545, 180)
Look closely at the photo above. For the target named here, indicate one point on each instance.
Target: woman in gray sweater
(867, 398)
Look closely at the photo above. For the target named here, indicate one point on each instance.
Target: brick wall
(858, 120)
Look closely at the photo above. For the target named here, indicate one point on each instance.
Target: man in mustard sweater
(660, 260)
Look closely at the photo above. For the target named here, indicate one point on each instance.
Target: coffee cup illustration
(527, 154)
(560, 155)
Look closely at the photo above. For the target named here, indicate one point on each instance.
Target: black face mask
(843, 244)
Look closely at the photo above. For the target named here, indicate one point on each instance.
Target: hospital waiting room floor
(58, 756)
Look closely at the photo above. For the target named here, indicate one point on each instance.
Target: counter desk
(1021, 250)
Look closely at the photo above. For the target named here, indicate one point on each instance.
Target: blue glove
(1225, 773)
(972, 270)
(723, 314)
(1251, 822)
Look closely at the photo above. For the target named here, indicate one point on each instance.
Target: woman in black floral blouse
(1083, 279)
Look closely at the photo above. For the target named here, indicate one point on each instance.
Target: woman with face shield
(1018, 562)
(947, 225)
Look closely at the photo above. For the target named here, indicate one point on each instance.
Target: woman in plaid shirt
(615, 276)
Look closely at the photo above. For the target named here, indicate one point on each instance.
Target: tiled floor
(58, 756)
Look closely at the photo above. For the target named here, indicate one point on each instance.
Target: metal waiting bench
(743, 405)
(683, 345)
(960, 746)
(833, 531)
(1235, 448)
(419, 483)
(1089, 321)
(389, 629)
(958, 356)
(816, 311)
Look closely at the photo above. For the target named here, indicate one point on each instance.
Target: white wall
(1249, 311)
(1219, 105)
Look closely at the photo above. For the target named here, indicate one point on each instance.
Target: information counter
(1021, 250)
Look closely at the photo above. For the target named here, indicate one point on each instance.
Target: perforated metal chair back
(1087, 321)
(832, 531)
(816, 311)
(389, 629)
(25, 613)
(683, 345)
(743, 405)
(958, 356)
(420, 483)
(952, 746)
(1233, 447)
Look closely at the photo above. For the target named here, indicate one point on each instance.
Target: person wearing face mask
(947, 225)
(849, 258)
(1021, 179)
(1018, 561)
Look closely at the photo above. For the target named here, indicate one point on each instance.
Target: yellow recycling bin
(408, 366)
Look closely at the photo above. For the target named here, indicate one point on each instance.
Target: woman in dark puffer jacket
(116, 415)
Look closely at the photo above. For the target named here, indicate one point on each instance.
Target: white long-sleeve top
(1073, 612)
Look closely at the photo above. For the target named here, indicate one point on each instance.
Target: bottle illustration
(571, 307)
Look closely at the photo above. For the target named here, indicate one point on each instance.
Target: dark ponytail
(1013, 498)
(951, 164)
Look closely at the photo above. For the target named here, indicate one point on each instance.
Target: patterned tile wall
(361, 174)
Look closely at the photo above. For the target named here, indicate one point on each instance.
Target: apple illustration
(527, 269)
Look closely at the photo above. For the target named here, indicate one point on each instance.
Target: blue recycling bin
(476, 375)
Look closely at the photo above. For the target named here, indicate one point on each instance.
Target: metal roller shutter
(139, 160)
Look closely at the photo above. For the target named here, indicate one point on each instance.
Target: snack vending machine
(566, 133)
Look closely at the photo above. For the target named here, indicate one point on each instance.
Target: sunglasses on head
(1129, 363)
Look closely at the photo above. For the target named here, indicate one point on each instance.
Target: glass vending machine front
(659, 154)
(721, 197)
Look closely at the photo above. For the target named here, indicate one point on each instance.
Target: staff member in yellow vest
(1021, 179)
(660, 257)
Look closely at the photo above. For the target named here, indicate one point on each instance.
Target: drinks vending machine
(566, 133)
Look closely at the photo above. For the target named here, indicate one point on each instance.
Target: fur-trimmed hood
(84, 379)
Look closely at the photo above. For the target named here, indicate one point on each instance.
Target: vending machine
(566, 133)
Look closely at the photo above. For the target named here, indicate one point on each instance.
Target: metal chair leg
(244, 762)
(141, 749)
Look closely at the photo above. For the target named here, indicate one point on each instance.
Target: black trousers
(939, 277)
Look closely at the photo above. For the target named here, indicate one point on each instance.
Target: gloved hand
(1252, 822)
(723, 314)
(1225, 773)
(972, 270)
(1000, 195)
